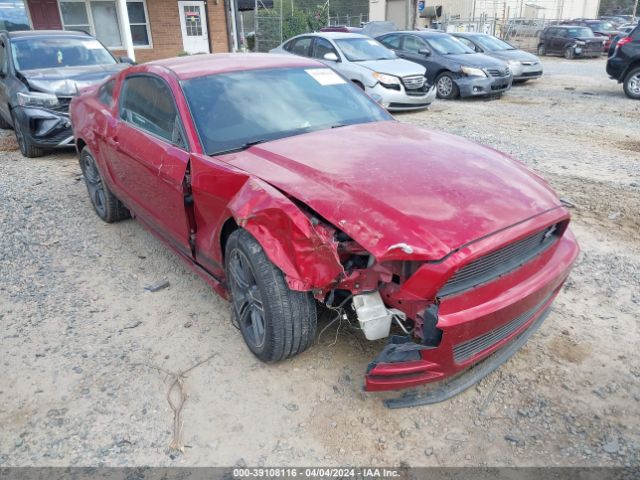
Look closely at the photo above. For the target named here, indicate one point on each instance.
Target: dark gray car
(455, 69)
(40, 72)
(524, 66)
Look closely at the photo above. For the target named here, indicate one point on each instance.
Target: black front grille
(469, 349)
(501, 261)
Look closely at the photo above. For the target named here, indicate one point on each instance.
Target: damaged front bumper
(463, 329)
(45, 128)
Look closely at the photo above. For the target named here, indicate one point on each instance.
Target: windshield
(446, 45)
(30, 53)
(230, 113)
(492, 44)
(579, 32)
(361, 49)
(602, 26)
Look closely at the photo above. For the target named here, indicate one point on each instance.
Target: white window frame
(87, 6)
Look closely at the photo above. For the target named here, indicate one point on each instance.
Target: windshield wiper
(240, 148)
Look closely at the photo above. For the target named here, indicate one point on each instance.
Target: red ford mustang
(285, 187)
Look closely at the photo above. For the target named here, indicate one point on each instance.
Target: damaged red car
(287, 188)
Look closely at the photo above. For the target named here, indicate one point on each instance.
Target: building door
(44, 14)
(397, 13)
(195, 37)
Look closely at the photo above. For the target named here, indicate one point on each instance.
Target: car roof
(200, 65)
(421, 33)
(46, 33)
(334, 35)
(470, 34)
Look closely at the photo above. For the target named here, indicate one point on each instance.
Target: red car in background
(314, 197)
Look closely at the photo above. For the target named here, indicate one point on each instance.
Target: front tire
(4, 125)
(631, 84)
(446, 86)
(542, 50)
(569, 54)
(27, 148)
(106, 204)
(275, 321)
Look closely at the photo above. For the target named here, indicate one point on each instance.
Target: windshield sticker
(93, 45)
(59, 57)
(325, 76)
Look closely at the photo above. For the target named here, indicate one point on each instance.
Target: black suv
(571, 41)
(623, 63)
(40, 71)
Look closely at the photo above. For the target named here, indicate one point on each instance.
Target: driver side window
(468, 43)
(413, 44)
(322, 47)
(147, 103)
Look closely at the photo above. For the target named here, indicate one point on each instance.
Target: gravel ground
(89, 357)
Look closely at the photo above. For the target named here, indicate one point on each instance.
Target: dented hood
(67, 81)
(388, 184)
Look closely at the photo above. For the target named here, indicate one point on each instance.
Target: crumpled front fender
(307, 254)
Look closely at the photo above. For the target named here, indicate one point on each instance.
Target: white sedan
(398, 84)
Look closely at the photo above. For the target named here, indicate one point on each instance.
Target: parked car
(400, 84)
(570, 41)
(40, 72)
(313, 194)
(601, 28)
(456, 70)
(623, 63)
(524, 66)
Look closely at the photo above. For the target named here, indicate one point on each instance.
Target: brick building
(142, 29)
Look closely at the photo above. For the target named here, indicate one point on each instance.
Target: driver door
(149, 156)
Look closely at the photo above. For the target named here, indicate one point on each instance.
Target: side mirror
(332, 57)
(126, 60)
(424, 51)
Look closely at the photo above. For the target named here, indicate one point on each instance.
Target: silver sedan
(396, 83)
(524, 66)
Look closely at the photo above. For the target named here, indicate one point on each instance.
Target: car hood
(476, 60)
(68, 80)
(397, 67)
(390, 185)
(518, 55)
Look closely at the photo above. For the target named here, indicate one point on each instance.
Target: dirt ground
(88, 356)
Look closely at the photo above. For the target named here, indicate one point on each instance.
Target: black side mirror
(424, 51)
(126, 60)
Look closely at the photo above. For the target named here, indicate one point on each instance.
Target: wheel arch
(632, 65)
(305, 253)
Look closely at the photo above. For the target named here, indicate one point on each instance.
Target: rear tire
(275, 321)
(631, 84)
(542, 50)
(446, 86)
(106, 204)
(27, 148)
(4, 125)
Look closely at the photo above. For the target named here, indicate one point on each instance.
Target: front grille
(501, 261)
(413, 82)
(469, 349)
(498, 72)
(530, 74)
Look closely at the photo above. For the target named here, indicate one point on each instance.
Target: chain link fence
(521, 33)
(267, 26)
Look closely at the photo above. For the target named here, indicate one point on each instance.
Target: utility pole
(635, 9)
